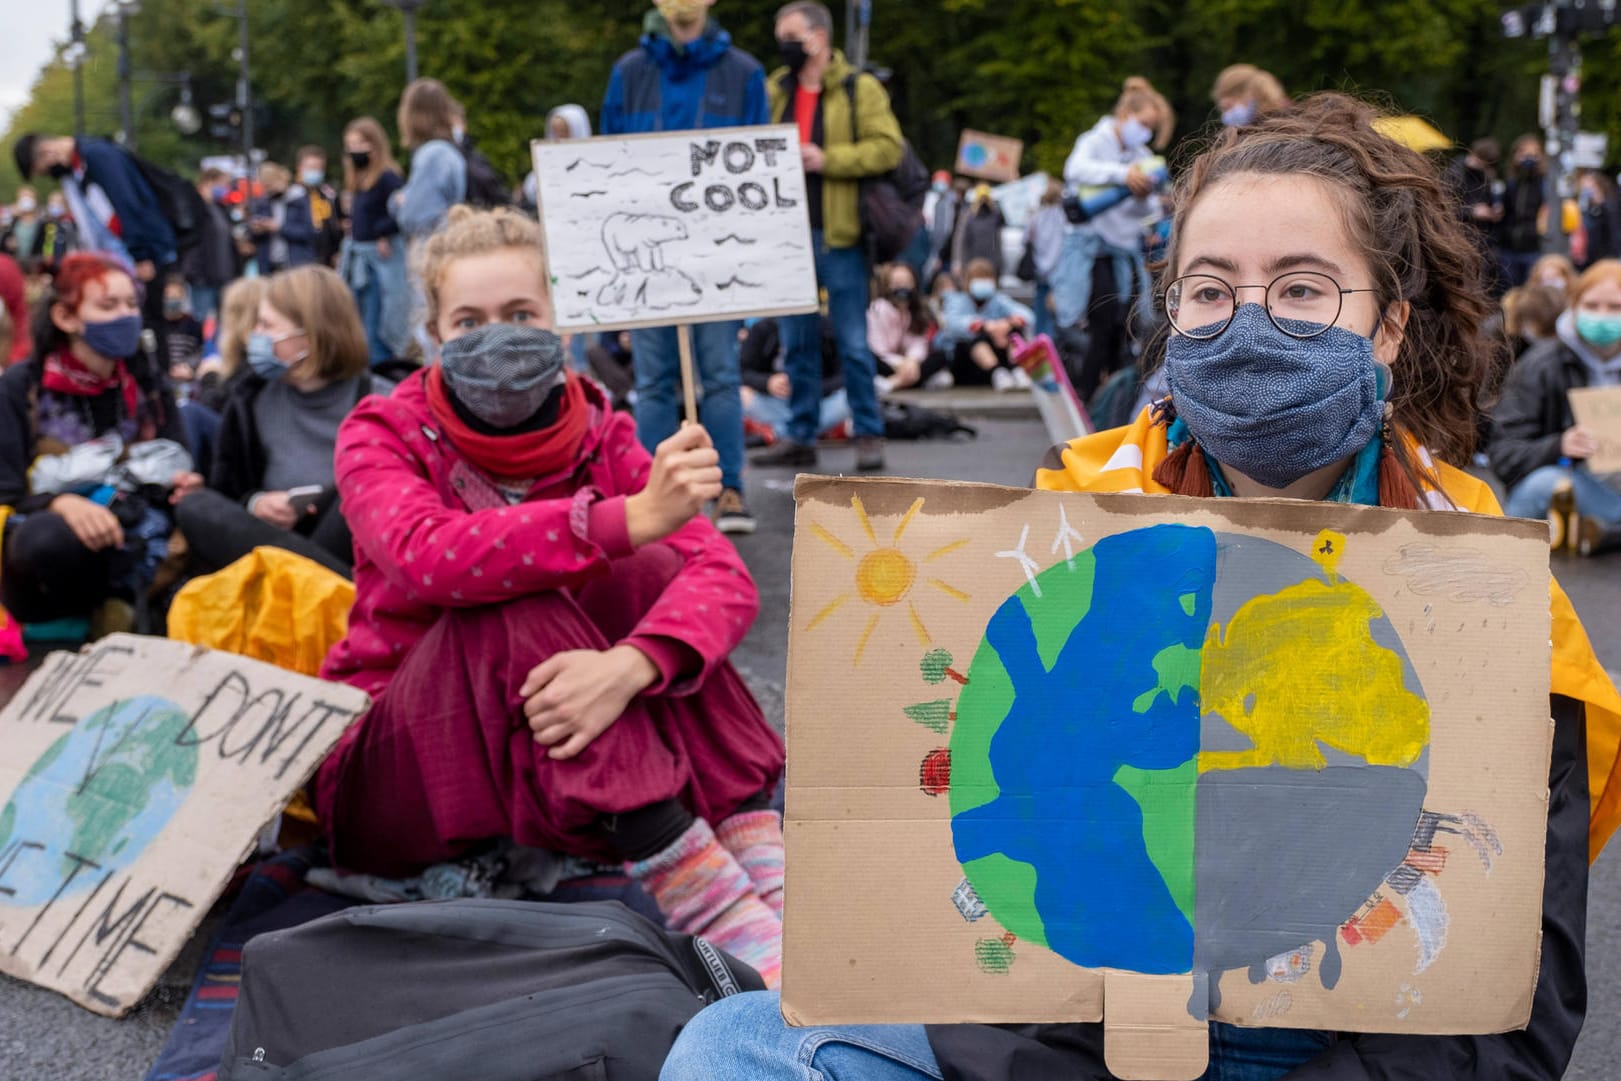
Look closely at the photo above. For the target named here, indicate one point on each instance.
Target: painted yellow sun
(885, 575)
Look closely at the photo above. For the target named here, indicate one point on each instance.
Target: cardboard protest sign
(1598, 409)
(689, 227)
(988, 157)
(1159, 760)
(135, 776)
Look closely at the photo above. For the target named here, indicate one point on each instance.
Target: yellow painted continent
(1300, 667)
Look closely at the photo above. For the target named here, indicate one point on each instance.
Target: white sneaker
(1021, 379)
(1002, 379)
(883, 384)
(940, 380)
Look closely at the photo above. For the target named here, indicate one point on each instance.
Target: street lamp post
(244, 87)
(126, 106)
(409, 8)
(77, 49)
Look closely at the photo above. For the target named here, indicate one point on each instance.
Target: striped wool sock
(755, 838)
(702, 890)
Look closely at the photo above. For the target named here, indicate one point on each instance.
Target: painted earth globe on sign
(1187, 751)
(95, 799)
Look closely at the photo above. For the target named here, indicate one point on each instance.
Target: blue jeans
(843, 273)
(1044, 314)
(1594, 498)
(658, 390)
(744, 1038)
(773, 412)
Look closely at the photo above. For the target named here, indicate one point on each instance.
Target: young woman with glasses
(1325, 308)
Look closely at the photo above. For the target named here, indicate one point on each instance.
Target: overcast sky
(27, 31)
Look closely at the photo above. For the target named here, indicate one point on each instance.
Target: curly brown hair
(1404, 220)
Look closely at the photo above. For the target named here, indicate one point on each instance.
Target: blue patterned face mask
(1271, 406)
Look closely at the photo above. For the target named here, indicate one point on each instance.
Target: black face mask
(793, 54)
(360, 160)
(60, 171)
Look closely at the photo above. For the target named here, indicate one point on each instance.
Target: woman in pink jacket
(543, 617)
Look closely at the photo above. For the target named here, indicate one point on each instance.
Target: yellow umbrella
(1413, 132)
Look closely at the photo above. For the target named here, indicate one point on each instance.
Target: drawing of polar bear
(634, 241)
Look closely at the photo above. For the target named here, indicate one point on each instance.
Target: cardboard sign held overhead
(1158, 761)
(989, 157)
(689, 227)
(135, 776)
(1598, 409)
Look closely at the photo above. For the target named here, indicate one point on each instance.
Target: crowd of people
(361, 370)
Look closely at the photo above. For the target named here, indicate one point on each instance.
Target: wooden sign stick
(689, 382)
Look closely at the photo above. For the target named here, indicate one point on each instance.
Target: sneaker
(1002, 379)
(732, 514)
(1021, 379)
(869, 454)
(940, 380)
(786, 454)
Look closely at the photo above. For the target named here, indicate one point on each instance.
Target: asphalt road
(42, 1034)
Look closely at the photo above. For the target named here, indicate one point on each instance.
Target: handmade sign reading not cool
(691, 227)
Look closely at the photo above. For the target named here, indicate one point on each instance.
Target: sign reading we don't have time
(134, 777)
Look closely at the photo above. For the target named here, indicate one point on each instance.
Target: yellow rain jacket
(1124, 460)
(270, 605)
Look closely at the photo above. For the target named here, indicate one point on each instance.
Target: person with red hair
(92, 447)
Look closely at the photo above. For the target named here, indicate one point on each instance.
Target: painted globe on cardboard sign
(96, 799)
(1187, 751)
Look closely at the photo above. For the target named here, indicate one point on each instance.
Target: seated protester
(765, 390)
(1316, 184)
(978, 328)
(898, 331)
(228, 353)
(272, 482)
(185, 333)
(91, 450)
(543, 616)
(1530, 314)
(1537, 447)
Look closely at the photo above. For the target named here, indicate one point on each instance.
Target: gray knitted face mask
(1274, 407)
(502, 372)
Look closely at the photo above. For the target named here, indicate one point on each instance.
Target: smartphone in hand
(306, 497)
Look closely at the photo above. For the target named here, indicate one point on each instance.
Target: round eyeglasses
(1301, 303)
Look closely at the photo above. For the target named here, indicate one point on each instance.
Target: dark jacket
(212, 261)
(659, 86)
(146, 233)
(19, 423)
(1534, 411)
(1522, 201)
(297, 233)
(760, 356)
(1602, 223)
(1539, 1053)
(239, 457)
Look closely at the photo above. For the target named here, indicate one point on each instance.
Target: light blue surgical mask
(312, 178)
(1601, 330)
(1134, 134)
(982, 289)
(1235, 116)
(262, 356)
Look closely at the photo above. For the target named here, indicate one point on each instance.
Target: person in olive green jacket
(847, 132)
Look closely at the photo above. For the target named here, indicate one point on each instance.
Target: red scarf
(526, 455)
(67, 374)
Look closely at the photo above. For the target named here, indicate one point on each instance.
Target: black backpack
(904, 420)
(498, 990)
(179, 202)
(891, 204)
(486, 187)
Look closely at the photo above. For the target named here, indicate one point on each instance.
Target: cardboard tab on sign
(1287, 760)
(1148, 1032)
(989, 157)
(1598, 409)
(135, 776)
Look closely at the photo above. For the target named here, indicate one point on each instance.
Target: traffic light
(225, 123)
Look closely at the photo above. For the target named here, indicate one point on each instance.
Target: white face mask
(27, 205)
(1134, 134)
